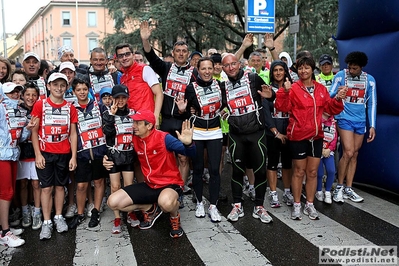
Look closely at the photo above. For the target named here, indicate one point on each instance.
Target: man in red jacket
(142, 82)
(162, 180)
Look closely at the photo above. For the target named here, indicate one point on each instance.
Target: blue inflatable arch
(372, 27)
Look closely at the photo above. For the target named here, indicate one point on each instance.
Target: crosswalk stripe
(377, 207)
(218, 243)
(101, 247)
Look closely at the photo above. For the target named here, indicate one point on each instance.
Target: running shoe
(149, 218)
(310, 211)
(181, 201)
(288, 198)
(47, 229)
(90, 207)
(116, 228)
(71, 211)
(214, 214)
(11, 240)
(94, 219)
(327, 197)
(26, 219)
(296, 212)
(132, 219)
(236, 212)
(61, 225)
(200, 210)
(273, 199)
(319, 196)
(338, 195)
(176, 230)
(352, 195)
(37, 221)
(260, 213)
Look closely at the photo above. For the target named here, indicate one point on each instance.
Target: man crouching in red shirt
(162, 180)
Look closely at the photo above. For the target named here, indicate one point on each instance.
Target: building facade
(81, 24)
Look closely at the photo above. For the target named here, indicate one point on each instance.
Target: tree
(219, 24)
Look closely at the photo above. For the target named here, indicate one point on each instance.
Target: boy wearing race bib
(54, 140)
(91, 149)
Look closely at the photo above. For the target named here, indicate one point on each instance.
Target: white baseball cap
(67, 64)
(11, 86)
(31, 54)
(57, 75)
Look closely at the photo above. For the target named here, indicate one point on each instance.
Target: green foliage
(219, 24)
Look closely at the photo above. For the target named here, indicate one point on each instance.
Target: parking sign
(259, 16)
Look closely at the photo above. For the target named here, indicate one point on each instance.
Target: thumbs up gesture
(287, 85)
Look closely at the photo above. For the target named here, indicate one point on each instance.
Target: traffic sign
(260, 16)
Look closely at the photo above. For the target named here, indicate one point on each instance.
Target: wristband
(272, 49)
(277, 135)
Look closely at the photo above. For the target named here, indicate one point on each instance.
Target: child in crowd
(91, 150)
(12, 131)
(118, 129)
(19, 77)
(327, 160)
(105, 98)
(31, 216)
(54, 140)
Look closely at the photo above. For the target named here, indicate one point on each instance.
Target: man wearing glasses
(244, 93)
(141, 81)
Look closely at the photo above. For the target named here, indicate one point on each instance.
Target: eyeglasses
(121, 56)
(233, 64)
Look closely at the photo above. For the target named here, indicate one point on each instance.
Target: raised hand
(114, 107)
(268, 40)
(181, 103)
(145, 30)
(248, 40)
(32, 123)
(266, 91)
(287, 85)
(186, 135)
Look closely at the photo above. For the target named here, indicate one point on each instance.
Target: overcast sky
(18, 12)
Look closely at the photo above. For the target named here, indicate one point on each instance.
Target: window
(46, 25)
(67, 41)
(92, 44)
(91, 19)
(51, 21)
(66, 18)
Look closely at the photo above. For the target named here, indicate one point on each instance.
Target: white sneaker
(273, 199)
(327, 197)
(89, 209)
(352, 195)
(319, 195)
(288, 198)
(213, 213)
(11, 240)
(71, 211)
(339, 195)
(260, 213)
(200, 210)
(296, 212)
(47, 229)
(310, 210)
(236, 212)
(60, 224)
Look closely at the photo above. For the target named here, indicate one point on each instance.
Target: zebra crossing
(246, 242)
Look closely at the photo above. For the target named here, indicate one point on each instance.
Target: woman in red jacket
(306, 100)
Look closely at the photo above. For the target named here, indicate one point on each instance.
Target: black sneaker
(77, 219)
(180, 199)
(176, 230)
(149, 218)
(94, 219)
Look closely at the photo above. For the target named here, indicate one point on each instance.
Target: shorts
(87, 171)
(56, 170)
(141, 193)
(27, 170)
(121, 168)
(170, 125)
(306, 148)
(276, 152)
(356, 127)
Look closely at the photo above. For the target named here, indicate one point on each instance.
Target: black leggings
(248, 151)
(214, 148)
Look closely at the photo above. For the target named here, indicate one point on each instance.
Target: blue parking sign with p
(260, 16)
